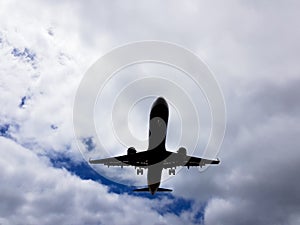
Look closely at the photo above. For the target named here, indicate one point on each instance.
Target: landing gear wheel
(171, 171)
(139, 171)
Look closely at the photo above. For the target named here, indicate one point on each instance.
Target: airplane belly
(154, 175)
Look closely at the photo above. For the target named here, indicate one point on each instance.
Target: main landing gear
(171, 171)
(139, 171)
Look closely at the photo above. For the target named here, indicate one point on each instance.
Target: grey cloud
(273, 98)
(253, 48)
(256, 181)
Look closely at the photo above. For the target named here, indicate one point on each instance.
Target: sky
(253, 49)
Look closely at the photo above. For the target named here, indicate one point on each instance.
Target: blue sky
(252, 48)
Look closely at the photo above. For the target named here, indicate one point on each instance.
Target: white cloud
(253, 49)
(33, 192)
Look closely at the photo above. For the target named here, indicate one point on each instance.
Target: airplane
(156, 157)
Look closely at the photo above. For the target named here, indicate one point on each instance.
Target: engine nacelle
(182, 151)
(131, 151)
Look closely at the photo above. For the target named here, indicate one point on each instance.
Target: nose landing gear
(139, 171)
(171, 171)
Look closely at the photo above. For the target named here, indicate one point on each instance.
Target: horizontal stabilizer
(147, 190)
(141, 190)
(163, 190)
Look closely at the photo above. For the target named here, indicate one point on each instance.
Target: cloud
(255, 182)
(253, 48)
(33, 192)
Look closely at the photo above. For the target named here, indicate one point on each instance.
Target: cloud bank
(253, 49)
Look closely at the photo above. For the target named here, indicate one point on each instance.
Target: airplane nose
(160, 101)
(160, 109)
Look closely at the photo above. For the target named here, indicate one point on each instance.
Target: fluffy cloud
(253, 49)
(33, 192)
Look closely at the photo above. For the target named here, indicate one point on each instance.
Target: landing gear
(139, 171)
(171, 171)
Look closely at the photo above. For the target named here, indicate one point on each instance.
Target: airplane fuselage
(158, 122)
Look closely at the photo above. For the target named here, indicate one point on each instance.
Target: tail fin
(147, 190)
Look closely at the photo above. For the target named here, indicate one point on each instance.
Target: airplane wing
(195, 161)
(143, 159)
(108, 162)
(137, 159)
(177, 159)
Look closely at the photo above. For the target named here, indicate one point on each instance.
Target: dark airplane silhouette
(156, 157)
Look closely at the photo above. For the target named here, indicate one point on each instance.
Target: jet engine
(131, 151)
(182, 151)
